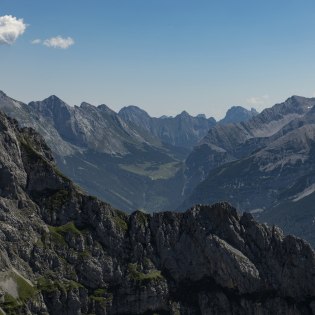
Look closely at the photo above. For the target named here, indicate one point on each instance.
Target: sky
(164, 56)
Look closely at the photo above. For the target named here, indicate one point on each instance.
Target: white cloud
(59, 42)
(36, 41)
(10, 29)
(257, 100)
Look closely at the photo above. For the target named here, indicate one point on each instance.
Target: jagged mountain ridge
(87, 126)
(111, 159)
(64, 252)
(127, 158)
(182, 130)
(270, 176)
(227, 143)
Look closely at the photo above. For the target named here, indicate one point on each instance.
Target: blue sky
(162, 55)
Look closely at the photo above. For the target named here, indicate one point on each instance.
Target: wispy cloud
(257, 100)
(36, 41)
(10, 29)
(59, 42)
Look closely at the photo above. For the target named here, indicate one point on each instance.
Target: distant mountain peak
(238, 114)
(54, 101)
(133, 110)
(238, 108)
(300, 100)
(86, 105)
(165, 117)
(2, 93)
(297, 98)
(52, 107)
(53, 98)
(133, 107)
(298, 103)
(184, 113)
(105, 108)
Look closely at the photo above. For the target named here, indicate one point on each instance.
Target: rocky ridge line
(64, 252)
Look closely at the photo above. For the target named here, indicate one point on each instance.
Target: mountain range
(181, 131)
(264, 166)
(63, 252)
(129, 159)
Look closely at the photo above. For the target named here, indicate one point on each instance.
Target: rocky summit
(64, 252)
(237, 114)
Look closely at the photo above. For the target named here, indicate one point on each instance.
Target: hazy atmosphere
(164, 56)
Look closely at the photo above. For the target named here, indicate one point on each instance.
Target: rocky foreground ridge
(63, 252)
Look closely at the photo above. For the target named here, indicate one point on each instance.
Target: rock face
(64, 252)
(87, 127)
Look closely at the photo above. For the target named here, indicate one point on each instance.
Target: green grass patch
(85, 254)
(10, 304)
(30, 151)
(153, 170)
(120, 220)
(67, 228)
(25, 289)
(56, 237)
(100, 292)
(39, 243)
(135, 274)
(58, 199)
(48, 285)
(101, 296)
(98, 299)
(58, 233)
(141, 217)
(58, 173)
